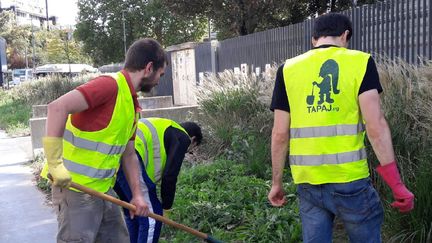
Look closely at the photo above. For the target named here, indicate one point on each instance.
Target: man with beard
(88, 131)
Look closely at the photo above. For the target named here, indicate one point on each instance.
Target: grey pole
(26, 58)
(124, 31)
(209, 29)
(33, 43)
(46, 11)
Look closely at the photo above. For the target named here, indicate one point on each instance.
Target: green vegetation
(42, 183)
(223, 200)
(14, 115)
(100, 26)
(234, 18)
(16, 103)
(227, 197)
(234, 113)
(235, 116)
(25, 41)
(407, 102)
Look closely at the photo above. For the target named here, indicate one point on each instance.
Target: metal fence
(395, 29)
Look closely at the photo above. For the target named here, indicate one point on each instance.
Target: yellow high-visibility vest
(149, 143)
(327, 130)
(93, 158)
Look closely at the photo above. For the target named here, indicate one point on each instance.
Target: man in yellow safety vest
(324, 100)
(88, 131)
(161, 145)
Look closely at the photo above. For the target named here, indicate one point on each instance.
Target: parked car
(64, 69)
(21, 75)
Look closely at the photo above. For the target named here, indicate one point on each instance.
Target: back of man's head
(143, 51)
(332, 24)
(193, 130)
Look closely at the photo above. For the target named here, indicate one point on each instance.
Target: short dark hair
(332, 24)
(143, 51)
(193, 130)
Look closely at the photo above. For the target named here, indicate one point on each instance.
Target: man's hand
(142, 208)
(276, 196)
(53, 148)
(404, 198)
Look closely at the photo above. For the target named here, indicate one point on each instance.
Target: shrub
(16, 103)
(407, 102)
(234, 111)
(44, 90)
(221, 200)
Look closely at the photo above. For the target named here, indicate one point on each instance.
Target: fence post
(213, 50)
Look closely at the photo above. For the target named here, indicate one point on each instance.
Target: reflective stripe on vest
(339, 158)
(326, 131)
(156, 148)
(88, 171)
(90, 145)
(326, 127)
(140, 134)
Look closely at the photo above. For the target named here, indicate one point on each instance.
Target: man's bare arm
(279, 144)
(377, 128)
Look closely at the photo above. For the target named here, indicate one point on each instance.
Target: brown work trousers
(88, 219)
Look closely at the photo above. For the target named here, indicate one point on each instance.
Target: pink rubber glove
(404, 198)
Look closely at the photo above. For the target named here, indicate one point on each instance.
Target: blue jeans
(141, 229)
(356, 203)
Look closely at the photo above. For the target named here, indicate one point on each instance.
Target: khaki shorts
(88, 219)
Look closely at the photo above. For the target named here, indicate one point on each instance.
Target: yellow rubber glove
(166, 213)
(53, 148)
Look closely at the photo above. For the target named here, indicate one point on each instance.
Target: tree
(100, 26)
(241, 17)
(17, 39)
(319, 7)
(28, 43)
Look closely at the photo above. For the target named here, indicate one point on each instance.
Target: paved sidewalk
(24, 216)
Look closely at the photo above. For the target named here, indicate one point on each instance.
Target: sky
(65, 10)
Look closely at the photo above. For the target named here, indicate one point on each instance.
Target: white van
(21, 75)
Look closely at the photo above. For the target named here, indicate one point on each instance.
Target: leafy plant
(222, 200)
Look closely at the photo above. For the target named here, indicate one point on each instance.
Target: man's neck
(135, 79)
(329, 40)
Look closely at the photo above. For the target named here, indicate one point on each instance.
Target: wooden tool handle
(133, 208)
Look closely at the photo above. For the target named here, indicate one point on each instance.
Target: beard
(146, 88)
(148, 83)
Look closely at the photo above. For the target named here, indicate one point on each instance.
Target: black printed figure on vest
(330, 73)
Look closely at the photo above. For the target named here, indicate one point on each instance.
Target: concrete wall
(39, 111)
(176, 113)
(155, 102)
(37, 131)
